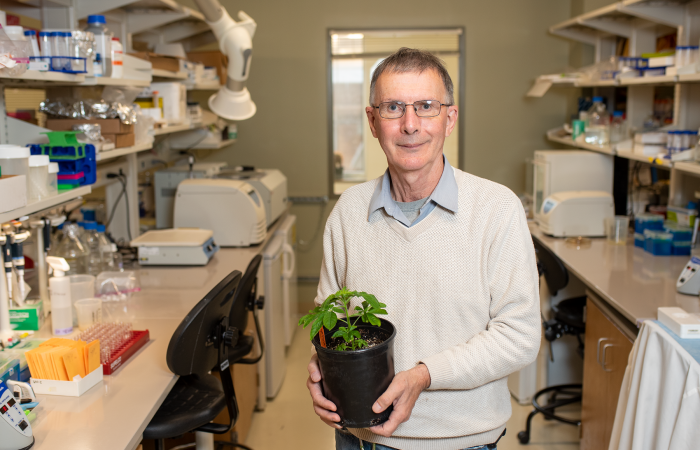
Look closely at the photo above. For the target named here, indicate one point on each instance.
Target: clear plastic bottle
(103, 45)
(618, 128)
(31, 37)
(106, 248)
(72, 250)
(46, 50)
(92, 241)
(598, 125)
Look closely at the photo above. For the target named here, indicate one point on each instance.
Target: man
(451, 256)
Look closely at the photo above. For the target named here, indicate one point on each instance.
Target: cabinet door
(606, 353)
(594, 400)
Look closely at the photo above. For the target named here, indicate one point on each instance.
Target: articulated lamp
(233, 101)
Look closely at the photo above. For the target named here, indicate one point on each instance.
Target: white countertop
(632, 281)
(113, 414)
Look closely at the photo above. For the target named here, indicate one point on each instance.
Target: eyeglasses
(423, 108)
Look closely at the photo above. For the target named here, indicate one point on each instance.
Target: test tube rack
(126, 351)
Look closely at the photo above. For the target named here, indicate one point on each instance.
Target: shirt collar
(444, 194)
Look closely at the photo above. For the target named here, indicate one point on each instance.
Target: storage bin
(14, 160)
(38, 177)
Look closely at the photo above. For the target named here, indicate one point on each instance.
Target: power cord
(122, 180)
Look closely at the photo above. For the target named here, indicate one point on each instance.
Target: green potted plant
(356, 356)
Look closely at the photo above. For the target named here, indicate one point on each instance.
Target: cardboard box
(68, 388)
(162, 62)
(121, 140)
(14, 192)
(108, 126)
(27, 318)
(212, 59)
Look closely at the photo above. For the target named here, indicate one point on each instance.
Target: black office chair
(568, 319)
(210, 338)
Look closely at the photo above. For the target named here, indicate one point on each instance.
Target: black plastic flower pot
(355, 379)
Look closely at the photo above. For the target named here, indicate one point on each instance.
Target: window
(354, 54)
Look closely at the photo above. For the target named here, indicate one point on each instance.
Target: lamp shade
(232, 105)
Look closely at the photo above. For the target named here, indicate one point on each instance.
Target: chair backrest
(555, 274)
(245, 295)
(190, 350)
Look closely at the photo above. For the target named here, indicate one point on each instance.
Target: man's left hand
(402, 393)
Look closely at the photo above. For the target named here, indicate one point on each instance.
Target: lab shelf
(44, 204)
(106, 81)
(160, 73)
(221, 144)
(31, 76)
(621, 19)
(205, 87)
(175, 129)
(665, 79)
(557, 135)
(117, 152)
(688, 167)
(646, 159)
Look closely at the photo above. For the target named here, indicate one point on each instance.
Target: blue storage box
(639, 240)
(679, 232)
(658, 243)
(86, 164)
(648, 222)
(681, 248)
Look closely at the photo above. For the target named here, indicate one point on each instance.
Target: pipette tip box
(686, 326)
(67, 388)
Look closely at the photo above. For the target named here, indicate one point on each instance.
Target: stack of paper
(63, 359)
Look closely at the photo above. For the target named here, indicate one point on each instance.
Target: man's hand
(324, 408)
(402, 393)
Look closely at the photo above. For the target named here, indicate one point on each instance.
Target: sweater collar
(444, 194)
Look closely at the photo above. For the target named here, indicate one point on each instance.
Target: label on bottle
(117, 58)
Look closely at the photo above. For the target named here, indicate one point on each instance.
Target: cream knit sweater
(461, 289)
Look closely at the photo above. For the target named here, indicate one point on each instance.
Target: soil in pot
(373, 336)
(354, 380)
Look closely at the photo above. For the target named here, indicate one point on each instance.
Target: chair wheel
(524, 437)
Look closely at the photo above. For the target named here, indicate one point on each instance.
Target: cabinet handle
(597, 353)
(605, 349)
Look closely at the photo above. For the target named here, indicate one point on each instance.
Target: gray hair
(413, 60)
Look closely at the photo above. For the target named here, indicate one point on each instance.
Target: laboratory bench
(624, 287)
(113, 414)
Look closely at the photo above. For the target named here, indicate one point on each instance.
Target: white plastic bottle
(61, 301)
(598, 125)
(103, 45)
(117, 58)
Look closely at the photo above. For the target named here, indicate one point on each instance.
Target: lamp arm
(235, 40)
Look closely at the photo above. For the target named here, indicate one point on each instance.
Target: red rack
(126, 351)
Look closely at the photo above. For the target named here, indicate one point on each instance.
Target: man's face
(411, 142)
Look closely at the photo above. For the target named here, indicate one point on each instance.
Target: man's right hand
(324, 408)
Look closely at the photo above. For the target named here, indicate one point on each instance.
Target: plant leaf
(374, 320)
(355, 334)
(371, 299)
(337, 334)
(342, 347)
(338, 310)
(379, 311)
(329, 320)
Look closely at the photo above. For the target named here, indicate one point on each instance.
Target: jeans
(346, 441)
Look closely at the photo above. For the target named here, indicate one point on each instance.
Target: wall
(507, 47)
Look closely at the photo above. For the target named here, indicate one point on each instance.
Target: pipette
(7, 256)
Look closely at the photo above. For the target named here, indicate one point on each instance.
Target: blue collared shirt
(444, 195)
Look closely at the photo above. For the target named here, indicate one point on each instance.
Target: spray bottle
(61, 302)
